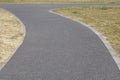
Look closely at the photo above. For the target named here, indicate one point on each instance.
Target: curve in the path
(56, 48)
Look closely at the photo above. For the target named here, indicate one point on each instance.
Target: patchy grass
(105, 20)
(11, 35)
(62, 1)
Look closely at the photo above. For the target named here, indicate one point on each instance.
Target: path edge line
(101, 37)
(24, 35)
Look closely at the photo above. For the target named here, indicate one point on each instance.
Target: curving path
(56, 48)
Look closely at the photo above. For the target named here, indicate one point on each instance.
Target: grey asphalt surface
(56, 48)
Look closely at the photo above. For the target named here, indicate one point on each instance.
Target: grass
(61, 1)
(105, 20)
(11, 35)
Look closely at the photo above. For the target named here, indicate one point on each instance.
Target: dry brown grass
(11, 35)
(105, 20)
(62, 1)
(71, 1)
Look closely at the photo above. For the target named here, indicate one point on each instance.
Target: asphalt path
(56, 48)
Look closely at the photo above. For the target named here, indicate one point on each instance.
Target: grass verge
(61, 1)
(11, 35)
(105, 20)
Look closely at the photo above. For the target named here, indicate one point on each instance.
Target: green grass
(6, 1)
(61, 1)
(105, 20)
